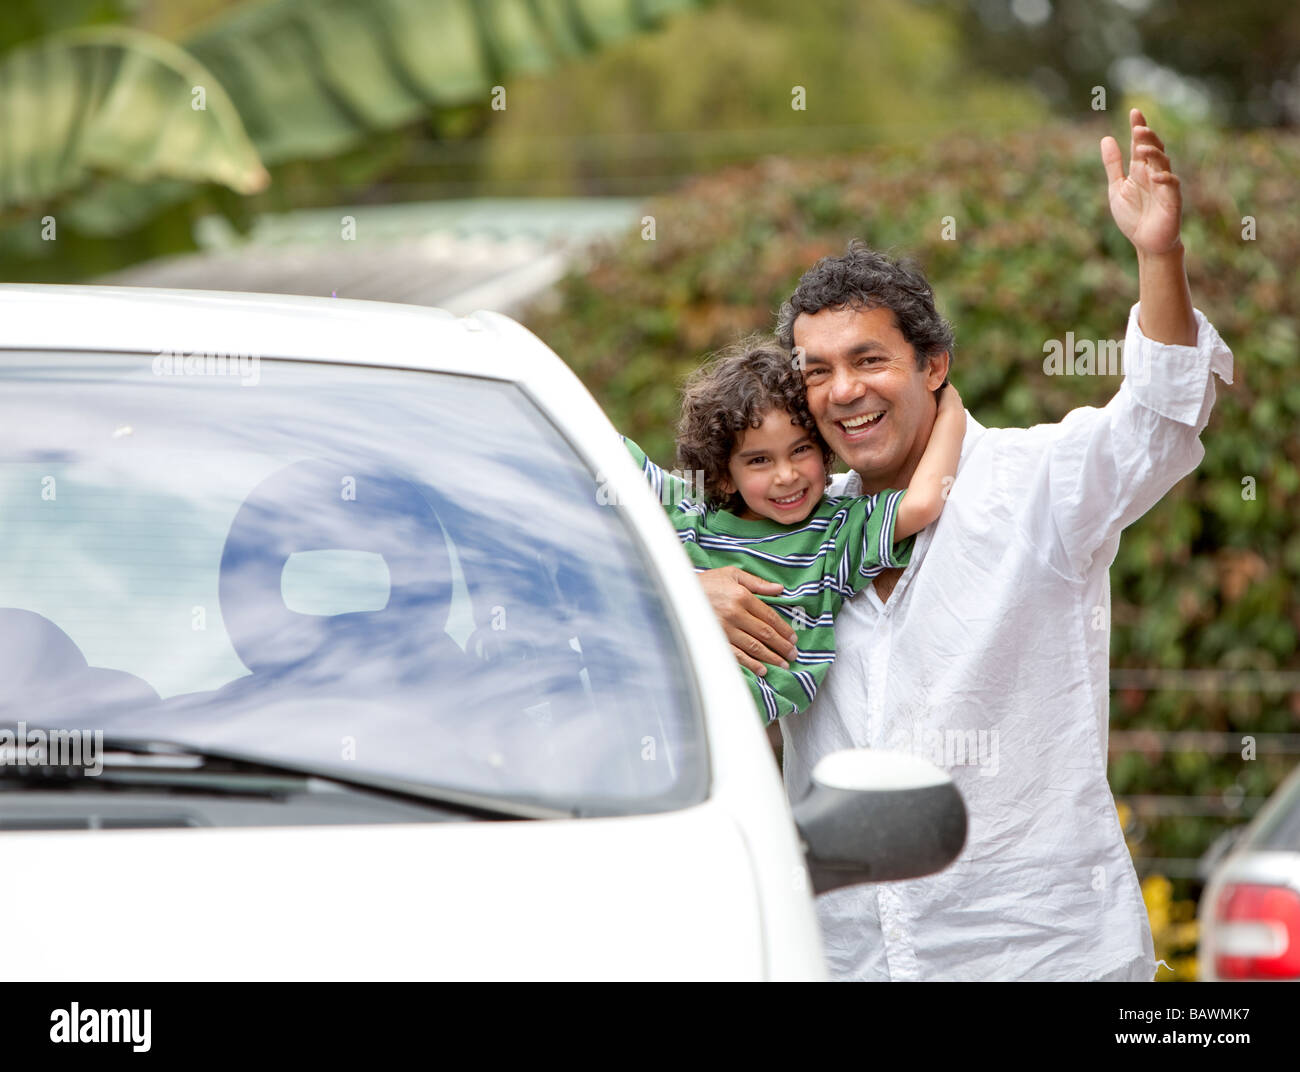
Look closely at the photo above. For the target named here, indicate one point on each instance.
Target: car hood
(668, 896)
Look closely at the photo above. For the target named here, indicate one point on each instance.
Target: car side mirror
(875, 816)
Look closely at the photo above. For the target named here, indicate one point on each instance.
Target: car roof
(148, 320)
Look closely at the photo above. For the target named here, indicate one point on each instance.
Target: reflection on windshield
(149, 521)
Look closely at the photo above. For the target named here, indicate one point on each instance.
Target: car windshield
(381, 571)
(1277, 827)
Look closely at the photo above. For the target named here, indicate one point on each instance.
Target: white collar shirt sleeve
(991, 659)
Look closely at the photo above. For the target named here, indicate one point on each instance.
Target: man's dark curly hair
(866, 279)
(731, 392)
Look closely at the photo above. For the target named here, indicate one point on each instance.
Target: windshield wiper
(149, 763)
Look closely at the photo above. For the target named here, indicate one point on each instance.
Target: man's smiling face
(872, 404)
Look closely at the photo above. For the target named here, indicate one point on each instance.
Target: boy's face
(857, 365)
(778, 470)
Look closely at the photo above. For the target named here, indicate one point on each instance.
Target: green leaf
(312, 79)
(116, 102)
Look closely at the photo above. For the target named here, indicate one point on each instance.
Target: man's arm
(1104, 468)
(1147, 207)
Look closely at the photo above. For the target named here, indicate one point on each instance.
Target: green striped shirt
(835, 551)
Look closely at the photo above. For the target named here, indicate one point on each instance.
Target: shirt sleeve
(866, 539)
(1105, 468)
(688, 516)
(668, 488)
(775, 698)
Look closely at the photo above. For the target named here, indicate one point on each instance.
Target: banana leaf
(101, 119)
(115, 101)
(314, 79)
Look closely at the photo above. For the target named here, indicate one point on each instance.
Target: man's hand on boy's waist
(757, 632)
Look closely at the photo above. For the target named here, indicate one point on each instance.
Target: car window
(1277, 828)
(367, 569)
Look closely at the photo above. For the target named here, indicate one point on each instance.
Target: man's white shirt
(992, 658)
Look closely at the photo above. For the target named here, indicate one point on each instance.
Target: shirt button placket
(877, 662)
(899, 953)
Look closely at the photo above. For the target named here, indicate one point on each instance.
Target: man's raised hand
(757, 632)
(1147, 203)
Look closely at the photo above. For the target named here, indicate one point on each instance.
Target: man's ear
(936, 370)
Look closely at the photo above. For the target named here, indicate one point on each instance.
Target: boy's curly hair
(733, 391)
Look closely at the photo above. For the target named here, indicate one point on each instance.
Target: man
(989, 653)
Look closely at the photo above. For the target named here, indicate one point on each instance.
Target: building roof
(457, 255)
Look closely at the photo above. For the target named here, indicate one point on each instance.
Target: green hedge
(1207, 579)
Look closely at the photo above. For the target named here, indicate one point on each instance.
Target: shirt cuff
(1170, 379)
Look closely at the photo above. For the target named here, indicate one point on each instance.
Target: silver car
(1250, 910)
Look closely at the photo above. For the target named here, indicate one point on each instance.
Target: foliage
(106, 132)
(114, 101)
(30, 20)
(1174, 926)
(1173, 931)
(736, 82)
(1207, 579)
(1238, 62)
(314, 79)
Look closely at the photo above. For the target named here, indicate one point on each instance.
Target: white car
(343, 640)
